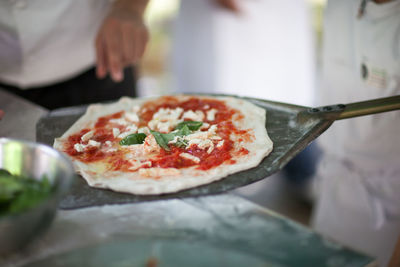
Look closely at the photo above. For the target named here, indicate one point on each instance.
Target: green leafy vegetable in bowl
(18, 193)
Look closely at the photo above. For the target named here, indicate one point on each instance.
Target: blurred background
(197, 46)
(187, 35)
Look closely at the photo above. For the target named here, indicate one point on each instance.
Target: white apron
(359, 176)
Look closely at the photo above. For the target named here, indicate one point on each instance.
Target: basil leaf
(160, 139)
(133, 139)
(182, 143)
(192, 125)
(168, 136)
(184, 131)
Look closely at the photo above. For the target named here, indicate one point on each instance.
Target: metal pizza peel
(290, 127)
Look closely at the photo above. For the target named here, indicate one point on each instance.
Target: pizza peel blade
(290, 127)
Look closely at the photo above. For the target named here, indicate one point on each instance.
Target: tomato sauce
(103, 121)
(101, 134)
(172, 158)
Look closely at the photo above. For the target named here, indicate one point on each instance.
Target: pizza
(165, 144)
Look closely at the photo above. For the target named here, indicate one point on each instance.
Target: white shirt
(349, 43)
(46, 41)
(359, 174)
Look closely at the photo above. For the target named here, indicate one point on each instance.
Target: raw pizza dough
(248, 117)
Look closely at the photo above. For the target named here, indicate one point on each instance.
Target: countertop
(202, 226)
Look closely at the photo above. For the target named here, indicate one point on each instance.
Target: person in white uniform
(48, 49)
(358, 177)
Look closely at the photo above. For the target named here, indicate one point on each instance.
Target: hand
(122, 38)
(230, 5)
(1, 114)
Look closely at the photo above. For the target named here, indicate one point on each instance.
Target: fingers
(230, 5)
(134, 42)
(119, 43)
(113, 44)
(101, 66)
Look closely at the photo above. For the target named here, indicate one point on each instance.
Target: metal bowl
(35, 161)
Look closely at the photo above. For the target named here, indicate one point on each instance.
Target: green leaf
(9, 187)
(192, 125)
(133, 139)
(163, 138)
(18, 193)
(160, 139)
(184, 131)
(182, 143)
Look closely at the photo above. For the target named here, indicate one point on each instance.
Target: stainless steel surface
(32, 160)
(20, 117)
(181, 231)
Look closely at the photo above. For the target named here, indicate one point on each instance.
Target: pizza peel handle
(341, 111)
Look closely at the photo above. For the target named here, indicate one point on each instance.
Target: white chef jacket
(47, 41)
(359, 175)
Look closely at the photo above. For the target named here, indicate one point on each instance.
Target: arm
(122, 38)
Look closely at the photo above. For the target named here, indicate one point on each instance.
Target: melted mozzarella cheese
(210, 133)
(197, 115)
(79, 147)
(189, 157)
(108, 143)
(144, 130)
(94, 143)
(213, 129)
(87, 136)
(119, 121)
(131, 129)
(136, 150)
(108, 147)
(150, 145)
(204, 126)
(116, 132)
(168, 114)
(135, 109)
(211, 114)
(202, 144)
(165, 119)
(220, 144)
(133, 117)
(164, 127)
